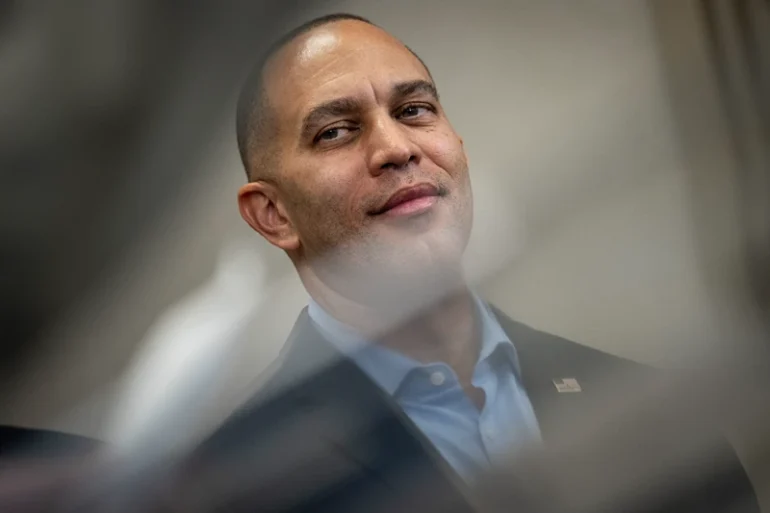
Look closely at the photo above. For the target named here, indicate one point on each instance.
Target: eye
(415, 110)
(333, 134)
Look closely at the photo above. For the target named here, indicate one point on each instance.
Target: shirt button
(437, 378)
(489, 432)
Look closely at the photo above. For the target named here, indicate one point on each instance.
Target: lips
(407, 195)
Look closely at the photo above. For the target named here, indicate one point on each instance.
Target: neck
(445, 332)
(440, 327)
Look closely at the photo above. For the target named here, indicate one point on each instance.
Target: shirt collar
(388, 368)
(493, 337)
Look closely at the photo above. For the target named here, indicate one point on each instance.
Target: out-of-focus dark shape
(652, 445)
(718, 53)
(716, 56)
(39, 468)
(739, 37)
(17, 442)
(105, 108)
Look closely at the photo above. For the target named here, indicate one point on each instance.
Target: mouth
(409, 201)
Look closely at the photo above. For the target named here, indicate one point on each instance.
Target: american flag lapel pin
(567, 385)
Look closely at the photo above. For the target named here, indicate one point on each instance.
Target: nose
(391, 147)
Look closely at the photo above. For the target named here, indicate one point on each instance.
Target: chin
(425, 262)
(403, 266)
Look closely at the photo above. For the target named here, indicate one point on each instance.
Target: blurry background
(603, 154)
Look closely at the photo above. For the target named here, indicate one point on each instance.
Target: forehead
(342, 58)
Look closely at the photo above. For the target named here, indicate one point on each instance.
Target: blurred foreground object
(652, 442)
(319, 438)
(717, 61)
(652, 445)
(597, 459)
(739, 37)
(185, 361)
(101, 131)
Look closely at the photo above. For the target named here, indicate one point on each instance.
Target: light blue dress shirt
(471, 440)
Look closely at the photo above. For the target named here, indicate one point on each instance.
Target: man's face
(369, 169)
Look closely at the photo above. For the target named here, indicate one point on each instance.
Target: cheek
(328, 193)
(445, 149)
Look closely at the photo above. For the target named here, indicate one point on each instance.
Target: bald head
(255, 117)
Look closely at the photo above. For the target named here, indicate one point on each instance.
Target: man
(398, 386)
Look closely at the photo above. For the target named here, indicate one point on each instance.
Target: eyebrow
(332, 108)
(348, 105)
(415, 87)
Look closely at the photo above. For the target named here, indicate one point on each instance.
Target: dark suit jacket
(330, 440)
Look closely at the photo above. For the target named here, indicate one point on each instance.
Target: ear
(262, 209)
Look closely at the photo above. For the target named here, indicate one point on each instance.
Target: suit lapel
(370, 428)
(342, 389)
(542, 365)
